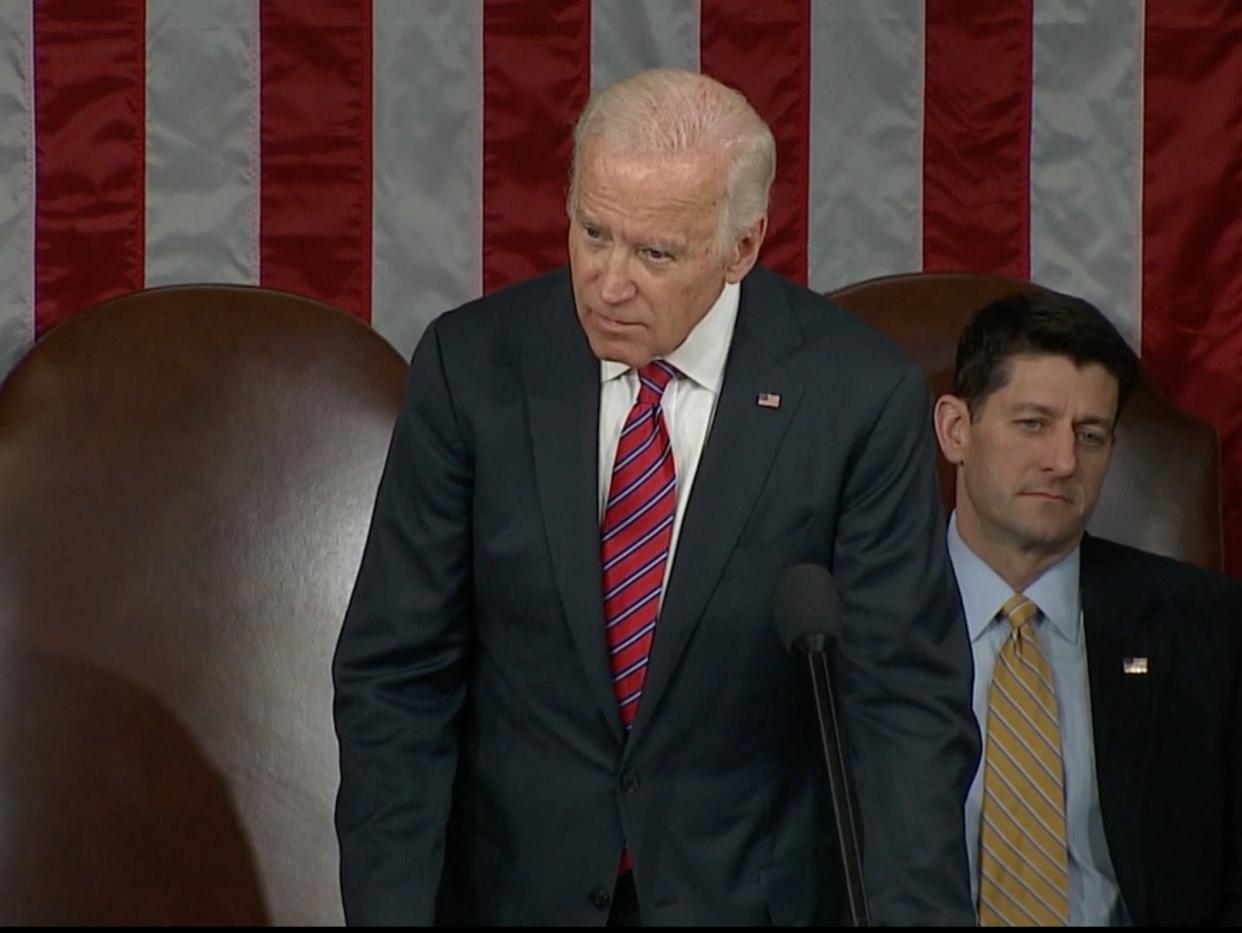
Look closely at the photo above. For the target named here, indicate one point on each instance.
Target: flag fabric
(398, 157)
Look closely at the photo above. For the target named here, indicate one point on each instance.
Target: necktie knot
(653, 379)
(1018, 611)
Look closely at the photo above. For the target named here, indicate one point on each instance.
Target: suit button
(600, 897)
(630, 781)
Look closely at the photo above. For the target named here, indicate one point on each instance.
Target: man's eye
(592, 233)
(657, 255)
(1092, 438)
(1029, 424)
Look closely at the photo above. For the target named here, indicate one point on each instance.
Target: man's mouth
(612, 323)
(1048, 495)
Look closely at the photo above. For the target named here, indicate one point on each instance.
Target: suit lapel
(561, 378)
(1123, 628)
(738, 454)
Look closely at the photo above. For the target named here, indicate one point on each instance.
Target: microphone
(808, 618)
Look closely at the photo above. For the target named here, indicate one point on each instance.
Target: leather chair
(1162, 492)
(186, 480)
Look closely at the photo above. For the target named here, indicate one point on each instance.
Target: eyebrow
(668, 245)
(1035, 408)
(1106, 423)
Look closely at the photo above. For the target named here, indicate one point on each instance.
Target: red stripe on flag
(1192, 224)
(90, 166)
(536, 80)
(315, 150)
(977, 137)
(764, 50)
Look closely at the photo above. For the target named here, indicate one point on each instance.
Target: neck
(1017, 563)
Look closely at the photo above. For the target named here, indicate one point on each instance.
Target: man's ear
(744, 252)
(952, 420)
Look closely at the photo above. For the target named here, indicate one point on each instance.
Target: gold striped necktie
(1023, 862)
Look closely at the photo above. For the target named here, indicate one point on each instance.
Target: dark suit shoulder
(508, 313)
(1128, 575)
(824, 319)
(830, 332)
(1113, 557)
(484, 340)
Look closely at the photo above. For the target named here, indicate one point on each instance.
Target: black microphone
(808, 618)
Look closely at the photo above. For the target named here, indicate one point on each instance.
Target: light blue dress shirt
(1094, 898)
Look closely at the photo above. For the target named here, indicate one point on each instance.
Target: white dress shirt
(689, 403)
(1094, 898)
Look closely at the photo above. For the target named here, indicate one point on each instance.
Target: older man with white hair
(560, 695)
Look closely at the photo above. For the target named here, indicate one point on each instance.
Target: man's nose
(617, 284)
(1061, 454)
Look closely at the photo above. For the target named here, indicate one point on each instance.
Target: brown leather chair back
(186, 480)
(1162, 492)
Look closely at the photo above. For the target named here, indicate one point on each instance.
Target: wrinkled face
(1033, 459)
(643, 249)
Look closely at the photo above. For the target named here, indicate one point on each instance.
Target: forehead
(684, 189)
(1058, 383)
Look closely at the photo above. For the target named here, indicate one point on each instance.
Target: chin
(620, 351)
(1051, 539)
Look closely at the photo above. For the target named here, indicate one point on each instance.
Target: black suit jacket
(1168, 744)
(485, 776)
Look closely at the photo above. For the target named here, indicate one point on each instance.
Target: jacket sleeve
(400, 666)
(1232, 914)
(905, 671)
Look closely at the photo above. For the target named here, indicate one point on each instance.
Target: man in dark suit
(1139, 818)
(560, 695)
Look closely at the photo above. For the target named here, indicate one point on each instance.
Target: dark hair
(1037, 322)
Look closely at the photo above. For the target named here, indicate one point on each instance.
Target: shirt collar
(983, 591)
(701, 356)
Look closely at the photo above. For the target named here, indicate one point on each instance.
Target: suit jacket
(485, 776)
(1168, 743)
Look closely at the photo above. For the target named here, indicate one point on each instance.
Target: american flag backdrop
(398, 157)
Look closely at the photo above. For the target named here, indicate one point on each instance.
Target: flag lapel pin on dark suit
(768, 400)
(1136, 666)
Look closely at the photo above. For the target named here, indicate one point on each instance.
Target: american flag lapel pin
(1137, 666)
(768, 400)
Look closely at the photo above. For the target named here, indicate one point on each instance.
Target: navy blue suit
(1168, 743)
(485, 774)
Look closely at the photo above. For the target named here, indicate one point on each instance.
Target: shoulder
(484, 341)
(507, 313)
(1174, 584)
(825, 324)
(1103, 555)
(835, 351)
(474, 353)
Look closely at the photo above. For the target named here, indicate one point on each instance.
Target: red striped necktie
(635, 537)
(634, 542)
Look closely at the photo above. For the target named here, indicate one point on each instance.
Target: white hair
(669, 111)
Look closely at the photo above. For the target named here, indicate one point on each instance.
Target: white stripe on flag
(427, 163)
(866, 151)
(637, 34)
(1086, 143)
(17, 178)
(202, 142)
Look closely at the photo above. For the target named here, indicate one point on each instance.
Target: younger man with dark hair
(1108, 681)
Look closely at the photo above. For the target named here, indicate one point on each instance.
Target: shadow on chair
(186, 479)
(112, 811)
(1162, 492)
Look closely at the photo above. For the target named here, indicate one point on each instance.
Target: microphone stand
(842, 809)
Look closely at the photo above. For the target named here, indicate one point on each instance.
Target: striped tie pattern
(635, 536)
(1023, 861)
